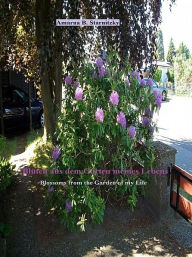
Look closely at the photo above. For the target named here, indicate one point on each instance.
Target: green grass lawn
(33, 136)
(8, 147)
(39, 151)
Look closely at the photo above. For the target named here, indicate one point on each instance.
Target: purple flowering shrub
(103, 119)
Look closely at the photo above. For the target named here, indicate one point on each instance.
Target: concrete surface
(175, 128)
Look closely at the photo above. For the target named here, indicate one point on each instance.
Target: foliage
(160, 46)
(171, 52)
(2, 144)
(6, 174)
(157, 75)
(6, 169)
(31, 42)
(7, 147)
(98, 132)
(182, 69)
(6, 179)
(33, 136)
(183, 50)
(40, 153)
(170, 75)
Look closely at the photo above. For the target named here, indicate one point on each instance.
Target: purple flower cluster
(101, 72)
(99, 62)
(68, 80)
(135, 75)
(99, 115)
(114, 98)
(151, 129)
(121, 119)
(76, 84)
(158, 98)
(78, 93)
(56, 153)
(150, 82)
(145, 122)
(142, 83)
(68, 205)
(148, 112)
(132, 131)
(51, 189)
(155, 92)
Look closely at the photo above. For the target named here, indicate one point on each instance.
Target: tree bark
(1, 106)
(58, 59)
(43, 35)
(30, 112)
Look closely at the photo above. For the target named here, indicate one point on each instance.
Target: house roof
(163, 63)
(159, 63)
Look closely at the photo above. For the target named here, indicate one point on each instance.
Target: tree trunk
(43, 35)
(47, 103)
(58, 59)
(58, 81)
(30, 112)
(1, 106)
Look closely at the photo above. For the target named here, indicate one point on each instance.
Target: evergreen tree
(171, 52)
(160, 45)
(183, 49)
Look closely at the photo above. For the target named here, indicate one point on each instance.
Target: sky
(177, 23)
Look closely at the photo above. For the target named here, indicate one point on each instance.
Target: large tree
(45, 52)
(160, 46)
(171, 52)
(183, 50)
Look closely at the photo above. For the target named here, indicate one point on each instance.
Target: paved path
(175, 128)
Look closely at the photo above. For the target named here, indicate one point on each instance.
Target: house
(163, 66)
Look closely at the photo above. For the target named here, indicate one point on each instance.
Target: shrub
(6, 179)
(157, 75)
(170, 75)
(6, 174)
(40, 153)
(107, 111)
(6, 169)
(2, 144)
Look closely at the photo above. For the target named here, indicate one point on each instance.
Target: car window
(13, 97)
(16, 98)
(21, 95)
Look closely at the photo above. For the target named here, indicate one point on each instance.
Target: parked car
(162, 90)
(16, 109)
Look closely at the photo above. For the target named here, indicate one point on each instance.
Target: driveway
(175, 128)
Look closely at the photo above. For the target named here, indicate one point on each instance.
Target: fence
(181, 192)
